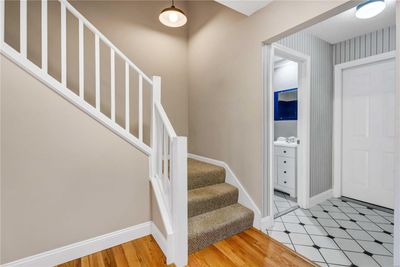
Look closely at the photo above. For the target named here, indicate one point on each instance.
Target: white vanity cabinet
(285, 167)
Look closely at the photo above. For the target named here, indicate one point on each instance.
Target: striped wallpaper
(323, 57)
(366, 45)
(321, 106)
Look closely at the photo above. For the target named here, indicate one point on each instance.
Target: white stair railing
(167, 152)
(169, 176)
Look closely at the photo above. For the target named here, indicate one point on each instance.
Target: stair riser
(205, 239)
(206, 180)
(217, 202)
(201, 174)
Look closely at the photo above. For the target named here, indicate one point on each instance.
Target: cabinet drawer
(285, 151)
(285, 179)
(286, 164)
(286, 171)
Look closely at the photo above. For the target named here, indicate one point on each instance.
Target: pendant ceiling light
(370, 8)
(172, 16)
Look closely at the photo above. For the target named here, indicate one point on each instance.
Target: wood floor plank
(85, 261)
(130, 254)
(234, 254)
(211, 256)
(108, 258)
(251, 254)
(120, 258)
(143, 252)
(249, 248)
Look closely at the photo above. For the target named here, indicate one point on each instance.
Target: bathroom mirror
(285, 105)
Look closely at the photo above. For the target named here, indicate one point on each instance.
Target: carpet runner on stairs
(213, 208)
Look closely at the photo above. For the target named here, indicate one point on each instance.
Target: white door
(369, 133)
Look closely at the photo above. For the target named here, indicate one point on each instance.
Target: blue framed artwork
(285, 105)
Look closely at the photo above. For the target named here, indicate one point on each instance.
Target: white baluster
(81, 60)
(127, 119)
(44, 35)
(97, 70)
(156, 96)
(112, 62)
(165, 154)
(160, 140)
(140, 119)
(23, 27)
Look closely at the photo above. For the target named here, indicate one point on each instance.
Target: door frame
(338, 116)
(303, 125)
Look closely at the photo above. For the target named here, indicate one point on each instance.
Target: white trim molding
(321, 197)
(337, 115)
(303, 125)
(267, 222)
(244, 197)
(83, 248)
(160, 239)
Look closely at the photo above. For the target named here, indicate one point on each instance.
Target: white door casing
(303, 125)
(364, 130)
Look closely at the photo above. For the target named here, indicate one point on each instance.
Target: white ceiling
(246, 7)
(346, 26)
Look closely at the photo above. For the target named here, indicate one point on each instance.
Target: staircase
(192, 220)
(213, 209)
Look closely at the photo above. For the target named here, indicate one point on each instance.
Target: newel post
(179, 200)
(156, 98)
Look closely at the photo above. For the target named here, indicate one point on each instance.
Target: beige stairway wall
(57, 158)
(64, 177)
(225, 70)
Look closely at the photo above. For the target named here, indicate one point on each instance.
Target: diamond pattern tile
(283, 202)
(338, 233)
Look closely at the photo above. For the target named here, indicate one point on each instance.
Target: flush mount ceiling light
(370, 8)
(172, 16)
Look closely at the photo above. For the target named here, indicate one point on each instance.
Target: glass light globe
(173, 17)
(370, 9)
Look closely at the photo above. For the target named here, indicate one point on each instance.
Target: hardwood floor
(250, 248)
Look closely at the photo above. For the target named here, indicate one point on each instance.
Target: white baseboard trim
(321, 197)
(266, 222)
(83, 248)
(244, 197)
(160, 239)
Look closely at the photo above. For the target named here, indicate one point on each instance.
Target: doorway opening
(346, 152)
(287, 128)
(285, 86)
(288, 134)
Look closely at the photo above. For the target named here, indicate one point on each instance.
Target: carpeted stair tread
(202, 174)
(210, 198)
(208, 228)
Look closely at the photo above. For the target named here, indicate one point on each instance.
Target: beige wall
(153, 47)
(79, 179)
(225, 70)
(64, 177)
(61, 168)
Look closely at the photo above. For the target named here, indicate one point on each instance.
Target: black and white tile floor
(283, 202)
(338, 233)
